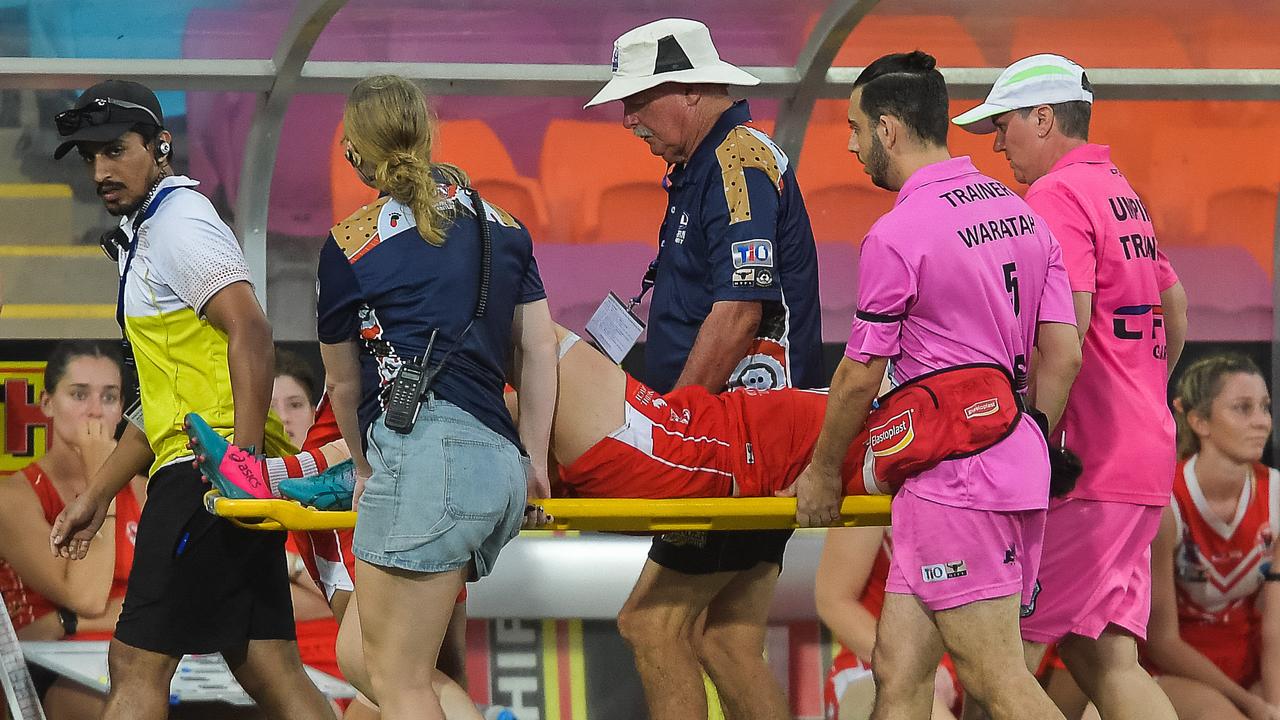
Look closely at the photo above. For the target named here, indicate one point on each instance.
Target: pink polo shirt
(1117, 418)
(961, 270)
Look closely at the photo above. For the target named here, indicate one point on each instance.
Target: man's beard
(878, 165)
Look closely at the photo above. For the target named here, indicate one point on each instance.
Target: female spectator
(48, 597)
(428, 276)
(850, 594)
(291, 399)
(1215, 645)
(293, 396)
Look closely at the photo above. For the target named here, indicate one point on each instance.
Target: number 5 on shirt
(1011, 284)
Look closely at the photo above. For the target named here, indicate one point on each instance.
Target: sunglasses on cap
(102, 111)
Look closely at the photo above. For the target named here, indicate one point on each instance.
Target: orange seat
(603, 184)
(1118, 41)
(471, 145)
(1184, 174)
(1245, 217)
(1236, 41)
(942, 36)
(842, 202)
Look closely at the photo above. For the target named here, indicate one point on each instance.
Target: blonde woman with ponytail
(1213, 643)
(399, 285)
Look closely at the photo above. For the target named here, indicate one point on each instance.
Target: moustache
(109, 187)
(642, 132)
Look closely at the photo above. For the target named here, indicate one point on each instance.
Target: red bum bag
(943, 415)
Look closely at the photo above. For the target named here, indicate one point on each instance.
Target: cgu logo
(982, 408)
(893, 436)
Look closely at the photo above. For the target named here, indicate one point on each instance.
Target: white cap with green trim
(1038, 80)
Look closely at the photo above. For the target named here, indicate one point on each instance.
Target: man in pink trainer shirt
(959, 271)
(1095, 573)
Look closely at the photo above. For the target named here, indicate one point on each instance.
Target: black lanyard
(130, 384)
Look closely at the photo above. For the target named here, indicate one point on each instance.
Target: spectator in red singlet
(850, 595)
(291, 398)
(1213, 641)
(52, 598)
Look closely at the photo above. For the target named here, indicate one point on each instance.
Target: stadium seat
(1187, 166)
(1245, 217)
(603, 184)
(471, 145)
(1235, 41)
(1096, 43)
(942, 36)
(36, 214)
(839, 196)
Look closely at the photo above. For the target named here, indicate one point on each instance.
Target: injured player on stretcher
(613, 437)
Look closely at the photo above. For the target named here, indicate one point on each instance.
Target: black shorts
(200, 584)
(700, 552)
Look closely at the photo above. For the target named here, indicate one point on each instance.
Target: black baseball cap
(106, 111)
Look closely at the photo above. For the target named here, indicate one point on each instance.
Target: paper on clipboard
(614, 328)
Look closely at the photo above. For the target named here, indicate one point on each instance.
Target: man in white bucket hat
(735, 241)
(1094, 588)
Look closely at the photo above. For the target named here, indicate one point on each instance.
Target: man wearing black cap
(197, 338)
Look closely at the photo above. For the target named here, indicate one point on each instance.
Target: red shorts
(692, 443)
(848, 668)
(1095, 570)
(669, 446)
(948, 556)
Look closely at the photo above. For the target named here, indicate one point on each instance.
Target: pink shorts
(948, 556)
(1095, 572)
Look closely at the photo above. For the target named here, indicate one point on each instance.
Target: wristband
(1269, 576)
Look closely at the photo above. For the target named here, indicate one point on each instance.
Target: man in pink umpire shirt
(1095, 572)
(959, 271)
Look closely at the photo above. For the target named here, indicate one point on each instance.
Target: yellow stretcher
(623, 515)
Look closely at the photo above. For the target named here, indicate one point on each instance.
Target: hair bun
(921, 60)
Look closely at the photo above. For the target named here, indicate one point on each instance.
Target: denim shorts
(449, 493)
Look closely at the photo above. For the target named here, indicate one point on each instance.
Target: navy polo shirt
(384, 286)
(736, 229)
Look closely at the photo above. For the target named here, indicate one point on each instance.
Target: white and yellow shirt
(185, 254)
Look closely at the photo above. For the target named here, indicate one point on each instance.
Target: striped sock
(304, 464)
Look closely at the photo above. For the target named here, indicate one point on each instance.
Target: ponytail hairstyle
(1198, 387)
(387, 121)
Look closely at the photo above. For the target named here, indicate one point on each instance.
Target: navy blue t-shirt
(736, 229)
(384, 286)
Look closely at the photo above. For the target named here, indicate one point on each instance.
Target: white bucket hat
(1038, 80)
(669, 50)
